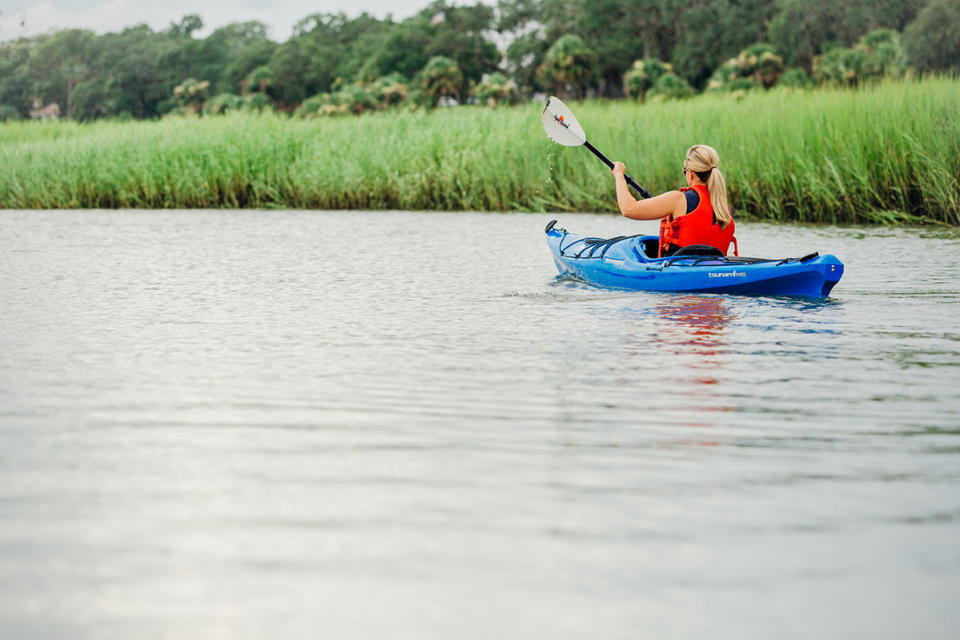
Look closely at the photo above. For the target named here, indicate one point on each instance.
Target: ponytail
(717, 189)
(703, 161)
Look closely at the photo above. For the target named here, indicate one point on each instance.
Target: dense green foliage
(804, 29)
(337, 64)
(888, 152)
(933, 39)
(878, 54)
(641, 77)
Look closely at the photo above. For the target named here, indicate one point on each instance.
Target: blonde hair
(703, 161)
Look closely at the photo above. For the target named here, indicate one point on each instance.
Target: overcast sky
(30, 17)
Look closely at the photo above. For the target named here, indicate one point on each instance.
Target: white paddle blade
(561, 125)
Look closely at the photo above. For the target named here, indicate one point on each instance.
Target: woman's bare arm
(661, 206)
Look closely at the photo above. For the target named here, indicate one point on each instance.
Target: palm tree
(192, 94)
(442, 78)
(258, 80)
(568, 65)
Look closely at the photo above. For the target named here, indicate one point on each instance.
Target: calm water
(402, 425)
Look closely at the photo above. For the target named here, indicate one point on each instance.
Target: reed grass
(885, 154)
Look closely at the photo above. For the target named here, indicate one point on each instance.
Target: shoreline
(948, 229)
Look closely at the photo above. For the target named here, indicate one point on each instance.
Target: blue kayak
(630, 262)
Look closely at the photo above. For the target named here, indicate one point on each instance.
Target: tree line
(448, 54)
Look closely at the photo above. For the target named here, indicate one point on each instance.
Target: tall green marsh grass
(884, 154)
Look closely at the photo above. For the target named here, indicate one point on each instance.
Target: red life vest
(697, 227)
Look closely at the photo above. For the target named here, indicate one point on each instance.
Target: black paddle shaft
(643, 192)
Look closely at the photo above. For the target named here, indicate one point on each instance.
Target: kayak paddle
(562, 127)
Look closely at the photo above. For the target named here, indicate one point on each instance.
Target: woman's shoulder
(692, 196)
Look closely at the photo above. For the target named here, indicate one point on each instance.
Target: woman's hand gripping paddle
(562, 127)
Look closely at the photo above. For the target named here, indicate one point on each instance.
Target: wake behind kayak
(630, 262)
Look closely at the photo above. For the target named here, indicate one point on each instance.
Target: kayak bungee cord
(592, 244)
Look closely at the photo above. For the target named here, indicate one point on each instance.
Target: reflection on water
(693, 324)
(234, 424)
(691, 329)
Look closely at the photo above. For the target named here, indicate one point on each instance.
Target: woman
(696, 214)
